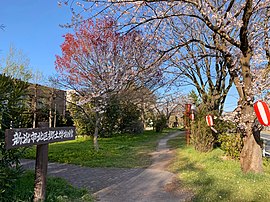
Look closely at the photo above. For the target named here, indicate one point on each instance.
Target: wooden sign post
(21, 137)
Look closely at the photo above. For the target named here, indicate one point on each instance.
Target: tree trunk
(251, 154)
(96, 146)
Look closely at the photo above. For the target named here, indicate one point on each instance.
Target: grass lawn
(124, 151)
(213, 178)
(58, 190)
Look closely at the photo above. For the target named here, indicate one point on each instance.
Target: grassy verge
(58, 190)
(125, 151)
(213, 178)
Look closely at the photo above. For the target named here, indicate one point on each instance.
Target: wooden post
(187, 113)
(41, 170)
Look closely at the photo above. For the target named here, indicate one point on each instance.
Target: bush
(202, 136)
(8, 179)
(12, 106)
(130, 118)
(160, 123)
(121, 116)
(231, 144)
(135, 127)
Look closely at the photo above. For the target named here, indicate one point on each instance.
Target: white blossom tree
(97, 62)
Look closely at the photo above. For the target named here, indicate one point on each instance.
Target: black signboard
(20, 137)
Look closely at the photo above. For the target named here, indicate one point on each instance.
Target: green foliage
(195, 98)
(130, 116)
(12, 106)
(202, 137)
(119, 116)
(8, 180)
(134, 127)
(122, 151)
(110, 122)
(64, 120)
(211, 177)
(231, 144)
(160, 123)
(83, 117)
(57, 190)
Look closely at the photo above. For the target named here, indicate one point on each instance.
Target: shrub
(202, 136)
(12, 106)
(120, 116)
(135, 127)
(231, 144)
(160, 123)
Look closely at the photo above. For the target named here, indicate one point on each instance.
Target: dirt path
(153, 184)
(125, 185)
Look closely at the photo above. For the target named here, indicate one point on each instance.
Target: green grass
(213, 178)
(124, 151)
(57, 190)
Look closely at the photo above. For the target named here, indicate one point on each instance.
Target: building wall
(44, 96)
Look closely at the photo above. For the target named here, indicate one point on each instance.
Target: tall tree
(242, 26)
(200, 64)
(97, 62)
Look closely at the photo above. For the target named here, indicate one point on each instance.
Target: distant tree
(16, 64)
(98, 62)
(168, 104)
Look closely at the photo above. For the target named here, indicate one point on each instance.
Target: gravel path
(153, 184)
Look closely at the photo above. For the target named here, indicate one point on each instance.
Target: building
(48, 97)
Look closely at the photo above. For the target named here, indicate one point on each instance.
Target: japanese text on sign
(17, 138)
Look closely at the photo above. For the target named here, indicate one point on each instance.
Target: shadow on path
(93, 179)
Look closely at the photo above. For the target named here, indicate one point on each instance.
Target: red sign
(209, 120)
(262, 112)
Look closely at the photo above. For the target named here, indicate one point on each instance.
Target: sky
(33, 27)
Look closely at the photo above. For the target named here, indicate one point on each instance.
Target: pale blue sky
(33, 27)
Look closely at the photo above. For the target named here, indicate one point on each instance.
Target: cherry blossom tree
(241, 26)
(97, 62)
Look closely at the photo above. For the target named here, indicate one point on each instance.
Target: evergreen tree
(12, 106)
